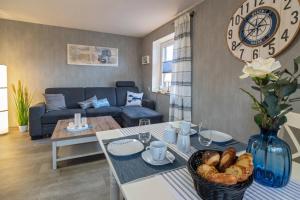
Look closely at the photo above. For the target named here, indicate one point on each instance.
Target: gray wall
(36, 54)
(216, 83)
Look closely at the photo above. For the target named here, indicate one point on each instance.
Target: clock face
(263, 28)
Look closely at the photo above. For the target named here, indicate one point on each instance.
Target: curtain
(181, 85)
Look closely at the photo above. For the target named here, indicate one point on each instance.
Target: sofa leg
(37, 137)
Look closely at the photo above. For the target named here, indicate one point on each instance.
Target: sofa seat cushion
(104, 111)
(132, 114)
(53, 116)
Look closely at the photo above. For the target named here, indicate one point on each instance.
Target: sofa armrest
(148, 104)
(35, 123)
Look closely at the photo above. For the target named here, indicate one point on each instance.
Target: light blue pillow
(87, 103)
(101, 103)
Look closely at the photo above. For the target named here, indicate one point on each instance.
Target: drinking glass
(143, 122)
(145, 137)
(205, 135)
(83, 121)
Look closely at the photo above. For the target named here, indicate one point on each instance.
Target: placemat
(133, 167)
(217, 146)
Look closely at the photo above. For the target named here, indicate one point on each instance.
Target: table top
(162, 186)
(98, 124)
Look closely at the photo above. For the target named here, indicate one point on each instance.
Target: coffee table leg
(114, 188)
(54, 156)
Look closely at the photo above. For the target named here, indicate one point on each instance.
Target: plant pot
(23, 129)
(272, 159)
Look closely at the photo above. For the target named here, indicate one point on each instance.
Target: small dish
(125, 147)
(74, 129)
(218, 136)
(147, 157)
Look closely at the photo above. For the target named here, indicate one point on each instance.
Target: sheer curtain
(181, 85)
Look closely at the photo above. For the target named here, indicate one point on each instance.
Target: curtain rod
(191, 15)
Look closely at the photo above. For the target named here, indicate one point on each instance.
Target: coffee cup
(170, 135)
(158, 150)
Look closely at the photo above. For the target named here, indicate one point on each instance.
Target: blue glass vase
(271, 158)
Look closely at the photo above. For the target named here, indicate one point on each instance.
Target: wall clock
(263, 28)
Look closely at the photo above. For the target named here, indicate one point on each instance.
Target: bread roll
(227, 159)
(239, 172)
(211, 158)
(205, 170)
(222, 178)
(246, 161)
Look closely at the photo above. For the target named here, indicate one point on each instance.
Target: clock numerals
(255, 54)
(258, 3)
(246, 7)
(287, 5)
(295, 16)
(271, 45)
(235, 20)
(230, 32)
(285, 36)
(242, 53)
(234, 45)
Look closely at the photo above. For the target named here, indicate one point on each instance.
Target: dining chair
(293, 120)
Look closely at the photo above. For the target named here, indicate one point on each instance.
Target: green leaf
(296, 64)
(294, 99)
(284, 106)
(258, 118)
(288, 89)
(255, 88)
(257, 105)
(271, 102)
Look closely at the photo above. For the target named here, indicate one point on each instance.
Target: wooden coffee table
(78, 144)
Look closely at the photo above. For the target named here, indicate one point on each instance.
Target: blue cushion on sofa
(101, 93)
(53, 116)
(99, 103)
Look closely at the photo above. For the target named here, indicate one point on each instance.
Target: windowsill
(162, 93)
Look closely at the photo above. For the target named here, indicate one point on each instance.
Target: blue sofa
(42, 123)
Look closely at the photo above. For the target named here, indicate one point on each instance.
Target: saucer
(147, 157)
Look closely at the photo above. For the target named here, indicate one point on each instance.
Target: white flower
(260, 68)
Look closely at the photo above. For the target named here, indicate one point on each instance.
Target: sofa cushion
(122, 94)
(104, 111)
(132, 114)
(72, 95)
(55, 102)
(134, 99)
(99, 103)
(101, 93)
(87, 103)
(53, 116)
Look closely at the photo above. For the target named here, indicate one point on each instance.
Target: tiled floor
(26, 174)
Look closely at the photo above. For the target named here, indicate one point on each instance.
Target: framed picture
(92, 55)
(145, 60)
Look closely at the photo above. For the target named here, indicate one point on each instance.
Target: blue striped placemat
(133, 167)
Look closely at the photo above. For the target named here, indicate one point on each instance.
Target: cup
(170, 134)
(158, 150)
(77, 120)
(144, 137)
(185, 127)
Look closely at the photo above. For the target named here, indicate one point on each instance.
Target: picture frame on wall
(92, 55)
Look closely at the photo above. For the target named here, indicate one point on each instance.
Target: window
(162, 58)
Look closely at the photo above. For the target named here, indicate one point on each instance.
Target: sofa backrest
(72, 95)
(102, 92)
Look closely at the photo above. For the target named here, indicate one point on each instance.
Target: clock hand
(247, 21)
(245, 38)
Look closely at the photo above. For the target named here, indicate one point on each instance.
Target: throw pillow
(101, 103)
(134, 99)
(87, 103)
(55, 102)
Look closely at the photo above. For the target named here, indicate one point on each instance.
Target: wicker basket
(208, 190)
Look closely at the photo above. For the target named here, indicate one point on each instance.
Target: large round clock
(263, 28)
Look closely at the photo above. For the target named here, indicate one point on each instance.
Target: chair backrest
(293, 120)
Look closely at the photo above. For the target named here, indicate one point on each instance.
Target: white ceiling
(124, 17)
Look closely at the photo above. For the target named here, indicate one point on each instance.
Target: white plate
(125, 147)
(147, 157)
(218, 136)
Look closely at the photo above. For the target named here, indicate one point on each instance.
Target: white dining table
(149, 188)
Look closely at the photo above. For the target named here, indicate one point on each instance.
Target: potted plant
(22, 100)
(271, 155)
